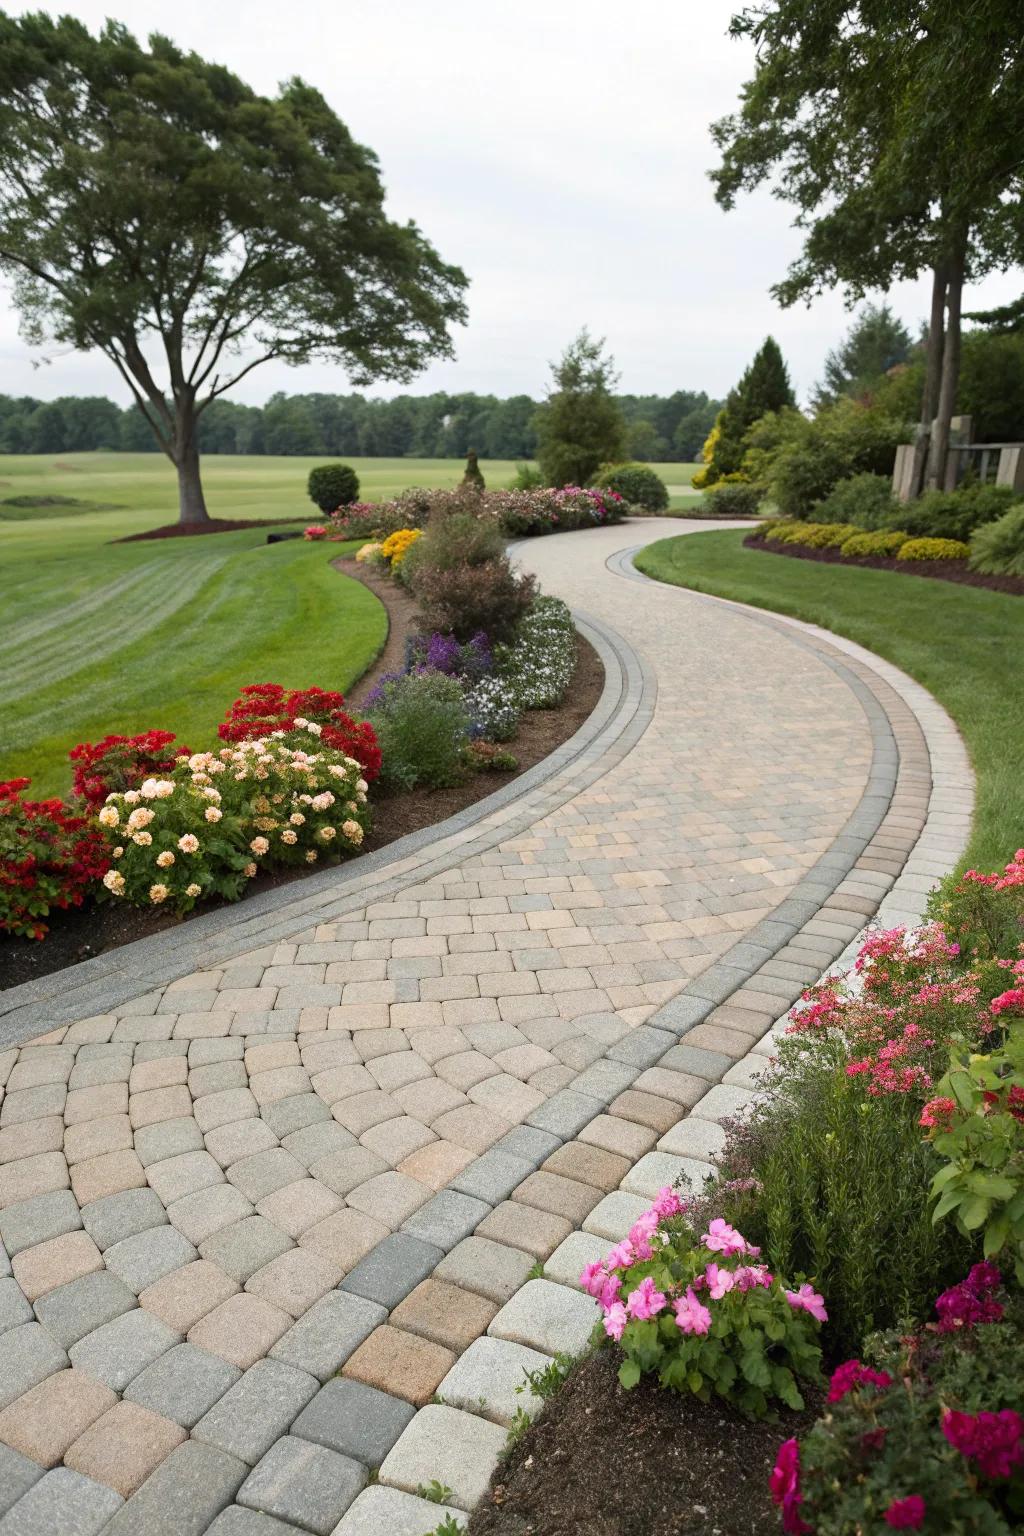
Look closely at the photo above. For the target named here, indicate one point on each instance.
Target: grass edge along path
(961, 643)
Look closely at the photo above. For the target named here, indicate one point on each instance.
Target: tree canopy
(153, 205)
(580, 426)
(875, 342)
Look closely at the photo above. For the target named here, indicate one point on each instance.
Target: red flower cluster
(1013, 874)
(263, 708)
(995, 1441)
(850, 1375)
(971, 1302)
(906, 1514)
(121, 762)
(48, 857)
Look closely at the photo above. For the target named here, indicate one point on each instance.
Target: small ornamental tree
(153, 205)
(474, 474)
(332, 486)
(580, 425)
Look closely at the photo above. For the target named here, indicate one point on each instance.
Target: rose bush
(265, 709)
(703, 1314)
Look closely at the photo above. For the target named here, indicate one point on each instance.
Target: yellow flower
(397, 545)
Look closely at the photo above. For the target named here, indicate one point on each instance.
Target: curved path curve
(276, 1191)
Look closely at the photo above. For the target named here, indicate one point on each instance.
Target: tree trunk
(932, 378)
(191, 502)
(950, 373)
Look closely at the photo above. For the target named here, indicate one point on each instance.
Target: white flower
(189, 843)
(313, 728)
(353, 831)
(323, 801)
(288, 836)
(157, 894)
(165, 859)
(193, 890)
(114, 882)
(259, 845)
(212, 813)
(131, 796)
(108, 817)
(118, 852)
(362, 786)
(212, 794)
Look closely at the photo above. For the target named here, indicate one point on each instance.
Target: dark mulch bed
(79, 934)
(942, 570)
(215, 525)
(640, 1463)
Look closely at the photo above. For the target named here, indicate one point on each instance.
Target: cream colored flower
(249, 871)
(323, 801)
(327, 834)
(212, 794)
(259, 845)
(362, 786)
(114, 882)
(189, 843)
(261, 804)
(193, 890)
(157, 894)
(164, 789)
(142, 838)
(212, 813)
(297, 819)
(165, 859)
(353, 831)
(140, 817)
(131, 797)
(311, 856)
(108, 817)
(118, 852)
(288, 836)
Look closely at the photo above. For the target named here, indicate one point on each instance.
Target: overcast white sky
(557, 150)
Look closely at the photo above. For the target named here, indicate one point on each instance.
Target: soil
(941, 570)
(215, 525)
(83, 932)
(641, 1463)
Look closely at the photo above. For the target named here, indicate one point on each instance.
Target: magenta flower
(994, 1440)
(850, 1375)
(721, 1238)
(906, 1514)
(784, 1485)
(668, 1203)
(641, 1233)
(719, 1281)
(691, 1315)
(806, 1299)
(749, 1275)
(610, 1292)
(645, 1301)
(615, 1321)
(620, 1257)
(592, 1279)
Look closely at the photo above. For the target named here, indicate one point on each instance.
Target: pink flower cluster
(995, 1441)
(1013, 875)
(971, 1302)
(603, 1280)
(851, 1375)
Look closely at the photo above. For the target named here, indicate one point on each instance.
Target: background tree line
(437, 426)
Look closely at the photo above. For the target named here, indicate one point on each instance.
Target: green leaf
(993, 1185)
(629, 1374)
(974, 1212)
(963, 1090)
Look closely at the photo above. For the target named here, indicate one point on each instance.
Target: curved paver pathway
(276, 1180)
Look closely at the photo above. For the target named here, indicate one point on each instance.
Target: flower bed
(518, 514)
(843, 544)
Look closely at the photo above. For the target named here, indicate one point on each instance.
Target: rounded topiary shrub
(331, 486)
(635, 483)
(734, 498)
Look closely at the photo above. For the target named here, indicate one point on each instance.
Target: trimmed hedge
(859, 545)
(934, 549)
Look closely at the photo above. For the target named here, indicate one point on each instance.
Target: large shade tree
(894, 127)
(154, 207)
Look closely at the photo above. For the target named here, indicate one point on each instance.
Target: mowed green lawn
(100, 636)
(962, 643)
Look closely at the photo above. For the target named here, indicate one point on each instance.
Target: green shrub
(528, 478)
(734, 499)
(863, 500)
(997, 549)
(817, 535)
(464, 581)
(861, 544)
(952, 514)
(799, 461)
(331, 486)
(422, 723)
(841, 1193)
(635, 483)
(474, 474)
(933, 549)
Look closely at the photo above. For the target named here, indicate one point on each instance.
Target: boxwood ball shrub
(933, 549)
(997, 549)
(635, 483)
(331, 486)
(866, 501)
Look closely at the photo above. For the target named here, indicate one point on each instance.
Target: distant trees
(580, 425)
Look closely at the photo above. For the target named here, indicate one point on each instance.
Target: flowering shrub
(637, 484)
(516, 513)
(538, 665)
(443, 653)
(930, 1438)
(422, 722)
(315, 532)
(860, 545)
(369, 554)
(265, 709)
(984, 913)
(122, 762)
(704, 1314)
(206, 829)
(49, 856)
(397, 545)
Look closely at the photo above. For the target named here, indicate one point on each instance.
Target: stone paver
(282, 1201)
